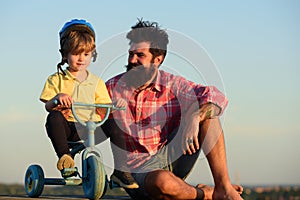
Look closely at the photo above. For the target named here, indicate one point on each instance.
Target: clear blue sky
(255, 46)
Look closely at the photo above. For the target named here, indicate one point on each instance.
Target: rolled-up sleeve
(211, 94)
(189, 92)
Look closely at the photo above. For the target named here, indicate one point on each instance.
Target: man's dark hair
(145, 31)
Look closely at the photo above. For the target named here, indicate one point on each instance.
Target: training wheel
(34, 181)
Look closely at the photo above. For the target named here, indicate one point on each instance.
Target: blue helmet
(76, 24)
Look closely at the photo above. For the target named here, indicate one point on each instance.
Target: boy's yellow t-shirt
(91, 91)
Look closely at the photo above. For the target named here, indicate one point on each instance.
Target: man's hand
(193, 117)
(190, 131)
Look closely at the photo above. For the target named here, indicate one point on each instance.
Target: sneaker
(124, 179)
(66, 161)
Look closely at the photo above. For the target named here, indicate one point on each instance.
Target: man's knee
(161, 182)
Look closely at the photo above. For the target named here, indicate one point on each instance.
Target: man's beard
(138, 75)
(130, 66)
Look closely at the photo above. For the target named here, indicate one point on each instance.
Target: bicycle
(93, 178)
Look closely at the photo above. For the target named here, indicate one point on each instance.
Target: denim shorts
(181, 168)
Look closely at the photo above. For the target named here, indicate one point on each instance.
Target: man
(167, 120)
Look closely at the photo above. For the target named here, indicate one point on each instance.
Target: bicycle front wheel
(94, 184)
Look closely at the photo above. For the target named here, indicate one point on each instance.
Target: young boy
(74, 84)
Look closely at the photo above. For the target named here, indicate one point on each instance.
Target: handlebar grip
(55, 101)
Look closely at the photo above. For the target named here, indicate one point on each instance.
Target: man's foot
(124, 179)
(209, 190)
(233, 192)
(66, 161)
(238, 188)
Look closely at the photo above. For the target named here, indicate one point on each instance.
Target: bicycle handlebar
(112, 106)
(108, 106)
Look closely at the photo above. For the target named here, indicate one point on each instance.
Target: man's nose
(132, 58)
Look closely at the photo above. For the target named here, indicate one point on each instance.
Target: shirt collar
(70, 76)
(157, 83)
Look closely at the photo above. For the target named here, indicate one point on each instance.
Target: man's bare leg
(163, 184)
(213, 146)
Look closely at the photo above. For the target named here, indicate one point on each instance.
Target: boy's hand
(64, 100)
(59, 102)
(120, 103)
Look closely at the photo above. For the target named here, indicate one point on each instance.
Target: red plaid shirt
(155, 112)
